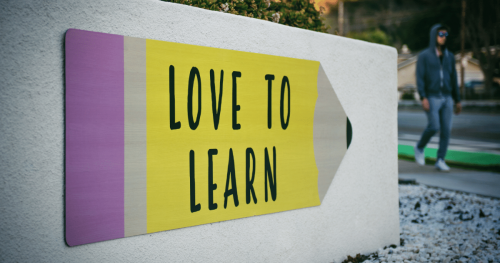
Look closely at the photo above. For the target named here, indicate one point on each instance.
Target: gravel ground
(443, 226)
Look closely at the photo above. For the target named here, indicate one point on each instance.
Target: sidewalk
(477, 182)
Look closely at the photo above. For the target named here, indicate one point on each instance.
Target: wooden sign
(162, 135)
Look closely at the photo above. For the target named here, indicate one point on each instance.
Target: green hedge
(374, 36)
(296, 13)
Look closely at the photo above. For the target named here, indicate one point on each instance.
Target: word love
(216, 103)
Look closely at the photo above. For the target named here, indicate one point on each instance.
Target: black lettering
(194, 208)
(211, 185)
(173, 124)
(236, 107)
(284, 124)
(194, 73)
(231, 176)
(269, 79)
(250, 153)
(269, 174)
(215, 109)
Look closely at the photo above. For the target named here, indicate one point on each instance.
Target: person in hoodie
(438, 90)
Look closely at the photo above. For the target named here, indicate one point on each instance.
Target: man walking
(438, 90)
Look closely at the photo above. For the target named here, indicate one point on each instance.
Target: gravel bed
(443, 226)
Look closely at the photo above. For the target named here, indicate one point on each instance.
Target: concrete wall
(359, 213)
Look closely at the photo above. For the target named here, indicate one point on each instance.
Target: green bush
(375, 36)
(296, 13)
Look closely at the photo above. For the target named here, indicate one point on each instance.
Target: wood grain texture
(135, 136)
(330, 143)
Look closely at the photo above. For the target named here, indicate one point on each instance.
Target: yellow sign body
(258, 158)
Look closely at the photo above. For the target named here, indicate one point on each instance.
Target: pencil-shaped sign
(162, 135)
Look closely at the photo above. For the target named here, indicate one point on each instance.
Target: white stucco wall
(359, 213)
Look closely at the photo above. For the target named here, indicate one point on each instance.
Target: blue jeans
(439, 119)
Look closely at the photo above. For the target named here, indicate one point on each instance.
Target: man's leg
(445, 119)
(432, 128)
(432, 122)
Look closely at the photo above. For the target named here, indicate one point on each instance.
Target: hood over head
(433, 35)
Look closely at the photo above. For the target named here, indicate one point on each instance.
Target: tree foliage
(482, 26)
(374, 36)
(414, 30)
(295, 13)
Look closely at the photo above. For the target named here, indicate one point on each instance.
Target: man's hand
(458, 108)
(425, 104)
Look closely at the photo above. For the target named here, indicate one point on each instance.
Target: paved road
(483, 183)
(470, 132)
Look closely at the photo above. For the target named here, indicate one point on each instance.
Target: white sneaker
(441, 166)
(419, 156)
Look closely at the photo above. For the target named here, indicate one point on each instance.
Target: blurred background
(405, 25)
(474, 38)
